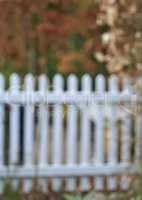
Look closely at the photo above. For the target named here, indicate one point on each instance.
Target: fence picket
(43, 130)
(77, 141)
(113, 137)
(28, 129)
(71, 132)
(99, 131)
(14, 136)
(126, 134)
(85, 133)
(2, 83)
(138, 127)
(57, 134)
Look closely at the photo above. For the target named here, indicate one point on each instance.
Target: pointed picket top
(58, 83)
(2, 82)
(100, 83)
(126, 87)
(29, 82)
(86, 83)
(140, 82)
(43, 83)
(14, 82)
(72, 82)
(113, 84)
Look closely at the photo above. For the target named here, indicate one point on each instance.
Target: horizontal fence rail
(69, 135)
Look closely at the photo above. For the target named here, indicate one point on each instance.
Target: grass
(89, 196)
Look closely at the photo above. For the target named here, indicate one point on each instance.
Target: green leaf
(52, 62)
(104, 28)
(9, 194)
(77, 41)
(90, 196)
(69, 197)
(52, 6)
(136, 198)
(35, 19)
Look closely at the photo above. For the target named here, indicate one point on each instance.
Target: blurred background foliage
(70, 36)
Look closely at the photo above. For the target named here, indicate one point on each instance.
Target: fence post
(113, 130)
(43, 129)
(71, 131)
(57, 134)
(28, 129)
(126, 134)
(14, 127)
(85, 151)
(2, 85)
(138, 126)
(99, 130)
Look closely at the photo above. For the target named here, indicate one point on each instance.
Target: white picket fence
(66, 138)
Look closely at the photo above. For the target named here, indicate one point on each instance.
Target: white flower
(106, 37)
(100, 57)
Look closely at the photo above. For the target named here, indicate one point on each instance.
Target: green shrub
(89, 196)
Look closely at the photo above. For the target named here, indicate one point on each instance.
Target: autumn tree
(70, 36)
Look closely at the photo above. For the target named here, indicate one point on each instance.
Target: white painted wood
(126, 134)
(138, 126)
(1, 122)
(85, 133)
(58, 169)
(14, 127)
(28, 129)
(14, 122)
(71, 132)
(43, 130)
(57, 131)
(99, 131)
(113, 132)
(63, 98)
(2, 85)
(71, 170)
